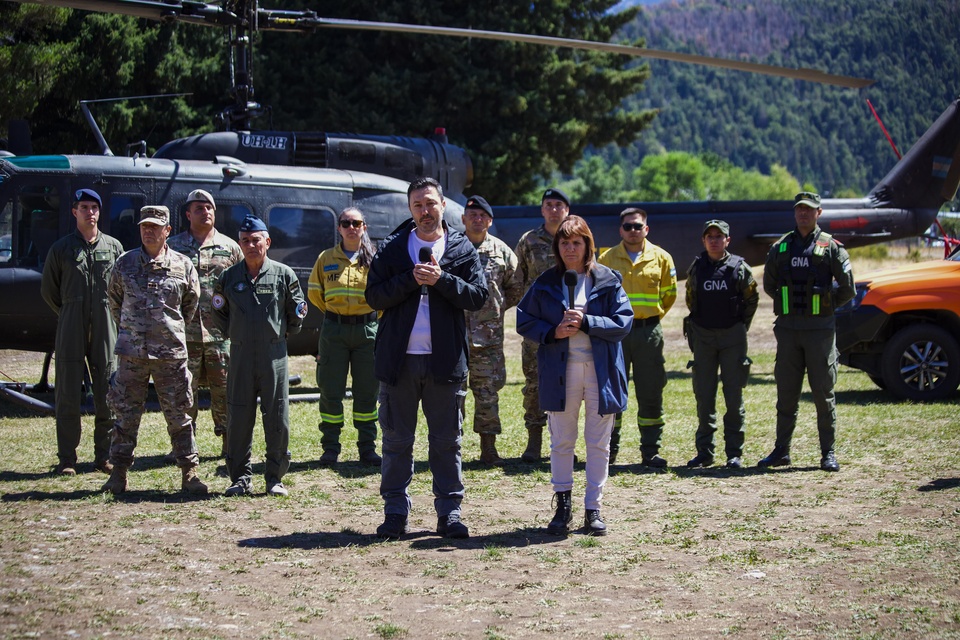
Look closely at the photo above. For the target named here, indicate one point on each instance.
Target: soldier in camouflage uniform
(75, 277)
(154, 293)
(257, 303)
(488, 370)
(208, 349)
(535, 255)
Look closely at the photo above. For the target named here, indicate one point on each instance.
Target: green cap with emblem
(807, 198)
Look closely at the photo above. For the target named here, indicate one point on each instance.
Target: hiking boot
(103, 466)
(368, 458)
(734, 463)
(66, 469)
(560, 524)
(192, 483)
(777, 458)
(702, 460)
(656, 461)
(394, 525)
(329, 458)
(488, 449)
(534, 450)
(117, 483)
(829, 462)
(450, 526)
(277, 489)
(593, 524)
(238, 488)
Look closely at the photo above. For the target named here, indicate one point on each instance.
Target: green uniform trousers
(533, 417)
(726, 350)
(258, 368)
(813, 350)
(208, 363)
(643, 352)
(343, 348)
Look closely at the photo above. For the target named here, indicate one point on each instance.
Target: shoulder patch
(218, 301)
(302, 310)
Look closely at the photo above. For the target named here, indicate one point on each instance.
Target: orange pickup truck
(903, 329)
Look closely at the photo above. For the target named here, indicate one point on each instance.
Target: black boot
(561, 519)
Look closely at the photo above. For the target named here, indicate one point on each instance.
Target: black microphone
(570, 280)
(425, 255)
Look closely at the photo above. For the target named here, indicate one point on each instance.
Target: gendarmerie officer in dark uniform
(257, 303)
(799, 275)
(722, 297)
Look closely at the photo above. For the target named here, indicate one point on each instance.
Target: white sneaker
(277, 489)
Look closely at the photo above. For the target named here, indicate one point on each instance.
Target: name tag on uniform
(103, 256)
(330, 267)
(264, 288)
(221, 252)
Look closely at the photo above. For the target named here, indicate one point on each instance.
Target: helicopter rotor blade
(811, 75)
(202, 13)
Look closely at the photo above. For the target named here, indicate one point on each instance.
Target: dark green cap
(808, 198)
(719, 224)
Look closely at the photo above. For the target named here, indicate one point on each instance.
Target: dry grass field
(870, 552)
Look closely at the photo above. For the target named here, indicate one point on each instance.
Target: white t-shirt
(420, 342)
(580, 349)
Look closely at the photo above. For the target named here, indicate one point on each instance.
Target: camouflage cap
(807, 198)
(199, 195)
(479, 202)
(155, 214)
(717, 224)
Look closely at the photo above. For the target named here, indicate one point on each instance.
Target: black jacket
(391, 288)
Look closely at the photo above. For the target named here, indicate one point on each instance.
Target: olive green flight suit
(74, 284)
(257, 314)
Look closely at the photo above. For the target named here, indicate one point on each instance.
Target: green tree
(670, 177)
(521, 111)
(56, 57)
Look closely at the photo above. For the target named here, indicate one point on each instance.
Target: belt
(363, 318)
(646, 322)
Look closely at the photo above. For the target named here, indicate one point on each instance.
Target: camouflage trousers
(488, 374)
(208, 363)
(533, 417)
(127, 395)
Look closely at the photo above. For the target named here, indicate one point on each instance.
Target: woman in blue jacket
(578, 313)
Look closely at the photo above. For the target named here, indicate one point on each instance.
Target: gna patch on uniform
(218, 301)
(302, 310)
(330, 267)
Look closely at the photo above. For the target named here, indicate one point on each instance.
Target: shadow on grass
(131, 497)
(940, 484)
(421, 539)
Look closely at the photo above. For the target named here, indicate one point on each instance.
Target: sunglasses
(633, 226)
(346, 224)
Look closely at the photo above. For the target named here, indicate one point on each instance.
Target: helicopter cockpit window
(229, 218)
(299, 235)
(38, 226)
(124, 218)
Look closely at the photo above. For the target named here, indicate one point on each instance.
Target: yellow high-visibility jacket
(650, 282)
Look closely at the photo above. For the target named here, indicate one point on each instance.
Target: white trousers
(581, 388)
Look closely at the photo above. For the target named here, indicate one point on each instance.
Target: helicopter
(299, 181)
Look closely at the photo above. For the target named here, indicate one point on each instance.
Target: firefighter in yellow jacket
(347, 337)
(650, 280)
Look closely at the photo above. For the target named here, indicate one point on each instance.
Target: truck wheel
(921, 362)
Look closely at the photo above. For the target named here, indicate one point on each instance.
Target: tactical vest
(717, 303)
(805, 277)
